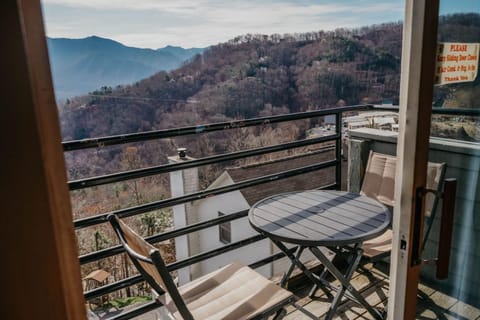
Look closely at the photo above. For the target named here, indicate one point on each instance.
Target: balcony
(372, 282)
(319, 161)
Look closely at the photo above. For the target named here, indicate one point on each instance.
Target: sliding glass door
(439, 68)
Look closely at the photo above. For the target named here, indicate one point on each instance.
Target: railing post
(338, 151)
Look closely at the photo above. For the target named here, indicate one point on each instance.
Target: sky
(200, 23)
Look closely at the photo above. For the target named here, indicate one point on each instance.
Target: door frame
(38, 243)
(416, 89)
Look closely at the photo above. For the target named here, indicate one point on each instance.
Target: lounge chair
(379, 184)
(233, 292)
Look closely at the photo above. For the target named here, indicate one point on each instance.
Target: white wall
(181, 183)
(209, 238)
(180, 221)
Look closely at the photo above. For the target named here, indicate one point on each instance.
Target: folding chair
(233, 292)
(379, 184)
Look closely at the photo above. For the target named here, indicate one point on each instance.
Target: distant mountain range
(259, 75)
(83, 65)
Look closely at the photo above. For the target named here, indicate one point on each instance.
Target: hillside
(249, 76)
(260, 75)
(83, 65)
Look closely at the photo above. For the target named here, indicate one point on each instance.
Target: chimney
(184, 182)
(182, 153)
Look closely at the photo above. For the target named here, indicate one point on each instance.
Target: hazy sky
(199, 23)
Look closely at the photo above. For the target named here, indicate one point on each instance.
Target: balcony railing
(336, 137)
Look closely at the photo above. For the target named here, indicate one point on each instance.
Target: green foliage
(155, 222)
(251, 71)
(101, 241)
(344, 50)
(105, 90)
(125, 302)
(342, 85)
(381, 60)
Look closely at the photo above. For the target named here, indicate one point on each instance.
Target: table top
(320, 217)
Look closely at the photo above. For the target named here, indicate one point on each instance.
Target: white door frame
(416, 89)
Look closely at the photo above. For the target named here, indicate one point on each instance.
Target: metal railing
(471, 112)
(166, 168)
(165, 203)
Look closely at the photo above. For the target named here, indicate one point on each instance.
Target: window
(224, 230)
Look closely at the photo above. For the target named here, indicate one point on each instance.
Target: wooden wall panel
(39, 265)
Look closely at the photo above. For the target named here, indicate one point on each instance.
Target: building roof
(97, 275)
(305, 181)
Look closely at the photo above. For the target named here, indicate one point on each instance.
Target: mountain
(80, 66)
(180, 52)
(249, 76)
(261, 75)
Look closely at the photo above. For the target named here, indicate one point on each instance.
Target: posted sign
(456, 62)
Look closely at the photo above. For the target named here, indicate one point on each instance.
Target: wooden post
(40, 267)
(358, 151)
(416, 89)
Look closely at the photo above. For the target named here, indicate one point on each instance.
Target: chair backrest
(379, 179)
(379, 183)
(148, 261)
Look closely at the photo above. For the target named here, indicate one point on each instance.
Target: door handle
(446, 228)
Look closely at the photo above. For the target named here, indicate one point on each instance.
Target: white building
(385, 120)
(186, 181)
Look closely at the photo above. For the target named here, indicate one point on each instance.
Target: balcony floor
(372, 282)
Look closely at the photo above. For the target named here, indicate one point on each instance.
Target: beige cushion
(379, 184)
(233, 292)
(379, 179)
(378, 245)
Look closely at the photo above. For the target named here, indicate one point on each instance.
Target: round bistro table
(322, 218)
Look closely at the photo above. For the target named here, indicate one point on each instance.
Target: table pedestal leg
(315, 287)
(345, 282)
(295, 259)
(286, 275)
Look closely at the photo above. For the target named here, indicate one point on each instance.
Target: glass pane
(455, 142)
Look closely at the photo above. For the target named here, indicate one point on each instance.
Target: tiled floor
(373, 284)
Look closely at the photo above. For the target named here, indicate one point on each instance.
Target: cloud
(154, 23)
(210, 7)
(168, 6)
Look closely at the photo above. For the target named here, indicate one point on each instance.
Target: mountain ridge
(260, 75)
(83, 65)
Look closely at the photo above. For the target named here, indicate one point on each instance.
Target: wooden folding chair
(379, 184)
(233, 292)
